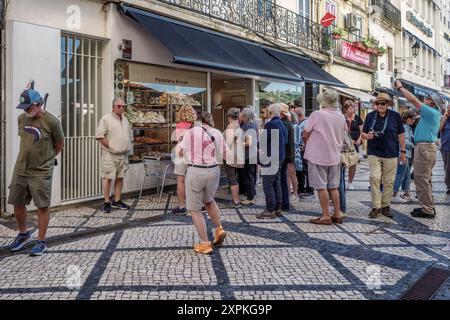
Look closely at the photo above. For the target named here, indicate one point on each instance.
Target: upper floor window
(303, 8)
(331, 8)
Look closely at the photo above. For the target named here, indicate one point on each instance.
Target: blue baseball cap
(28, 98)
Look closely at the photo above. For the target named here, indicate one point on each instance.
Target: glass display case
(153, 101)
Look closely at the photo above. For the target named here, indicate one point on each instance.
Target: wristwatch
(403, 151)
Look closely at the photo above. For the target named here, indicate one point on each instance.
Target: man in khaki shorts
(41, 140)
(114, 134)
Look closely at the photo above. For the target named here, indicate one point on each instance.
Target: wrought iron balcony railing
(389, 13)
(261, 17)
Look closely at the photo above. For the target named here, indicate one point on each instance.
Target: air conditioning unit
(351, 22)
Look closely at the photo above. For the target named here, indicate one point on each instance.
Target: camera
(377, 134)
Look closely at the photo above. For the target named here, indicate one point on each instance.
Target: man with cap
(41, 140)
(425, 137)
(383, 128)
(288, 168)
(235, 158)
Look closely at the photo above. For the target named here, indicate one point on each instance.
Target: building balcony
(388, 13)
(261, 17)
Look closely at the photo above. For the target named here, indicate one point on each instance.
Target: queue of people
(293, 154)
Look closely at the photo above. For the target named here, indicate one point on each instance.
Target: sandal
(337, 220)
(321, 222)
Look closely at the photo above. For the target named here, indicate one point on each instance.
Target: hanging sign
(327, 20)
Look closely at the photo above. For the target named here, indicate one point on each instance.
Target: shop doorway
(228, 92)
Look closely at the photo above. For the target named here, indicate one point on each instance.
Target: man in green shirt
(425, 137)
(41, 140)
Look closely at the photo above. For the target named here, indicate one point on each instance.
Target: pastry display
(136, 116)
(148, 140)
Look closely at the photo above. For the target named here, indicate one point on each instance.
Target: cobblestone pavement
(146, 253)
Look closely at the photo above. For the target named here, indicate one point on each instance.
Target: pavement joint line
(72, 237)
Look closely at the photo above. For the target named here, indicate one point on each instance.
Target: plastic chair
(156, 167)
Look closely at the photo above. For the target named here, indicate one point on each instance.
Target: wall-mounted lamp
(415, 49)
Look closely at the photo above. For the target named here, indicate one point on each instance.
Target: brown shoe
(204, 248)
(266, 215)
(326, 222)
(374, 213)
(278, 212)
(386, 211)
(337, 220)
(219, 236)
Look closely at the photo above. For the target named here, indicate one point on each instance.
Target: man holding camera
(425, 137)
(384, 131)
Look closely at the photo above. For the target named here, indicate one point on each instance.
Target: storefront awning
(353, 93)
(192, 45)
(305, 67)
(418, 89)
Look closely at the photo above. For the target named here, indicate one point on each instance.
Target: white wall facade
(445, 44)
(424, 69)
(386, 39)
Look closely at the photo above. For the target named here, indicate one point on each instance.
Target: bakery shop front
(173, 63)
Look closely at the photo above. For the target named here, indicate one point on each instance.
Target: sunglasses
(380, 103)
(120, 106)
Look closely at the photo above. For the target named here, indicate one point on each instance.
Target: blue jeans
(272, 191)
(285, 188)
(341, 189)
(403, 177)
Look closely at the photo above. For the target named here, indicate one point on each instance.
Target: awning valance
(196, 46)
(305, 67)
(357, 94)
(192, 45)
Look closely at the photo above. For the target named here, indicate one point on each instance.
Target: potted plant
(359, 45)
(381, 51)
(337, 33)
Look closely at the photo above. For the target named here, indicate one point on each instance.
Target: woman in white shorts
(203, 147)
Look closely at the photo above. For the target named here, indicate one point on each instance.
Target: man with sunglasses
(383, 128)
(115, 136)
(425, 137)
(41, 140)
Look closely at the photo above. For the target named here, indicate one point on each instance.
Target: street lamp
(415, 49)
(415, 52)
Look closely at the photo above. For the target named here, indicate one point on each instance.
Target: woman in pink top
(185, 119)
(204, 148)
(324, 136)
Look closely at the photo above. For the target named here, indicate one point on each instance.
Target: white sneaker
(406, 198)
(293, 198)
(350, 186)
(397, 198)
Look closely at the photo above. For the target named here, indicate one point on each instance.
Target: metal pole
(2, 115)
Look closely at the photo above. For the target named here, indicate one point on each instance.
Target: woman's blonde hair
(186, 114)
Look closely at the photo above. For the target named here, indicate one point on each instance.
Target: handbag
(349, 156)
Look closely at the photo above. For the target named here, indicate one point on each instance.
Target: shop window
(271, 92)
(154, 95)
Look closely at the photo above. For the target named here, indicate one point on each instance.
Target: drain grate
(428, 285)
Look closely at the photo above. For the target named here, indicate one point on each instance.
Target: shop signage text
(171, 81)
(351, 53)
(419, 24)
